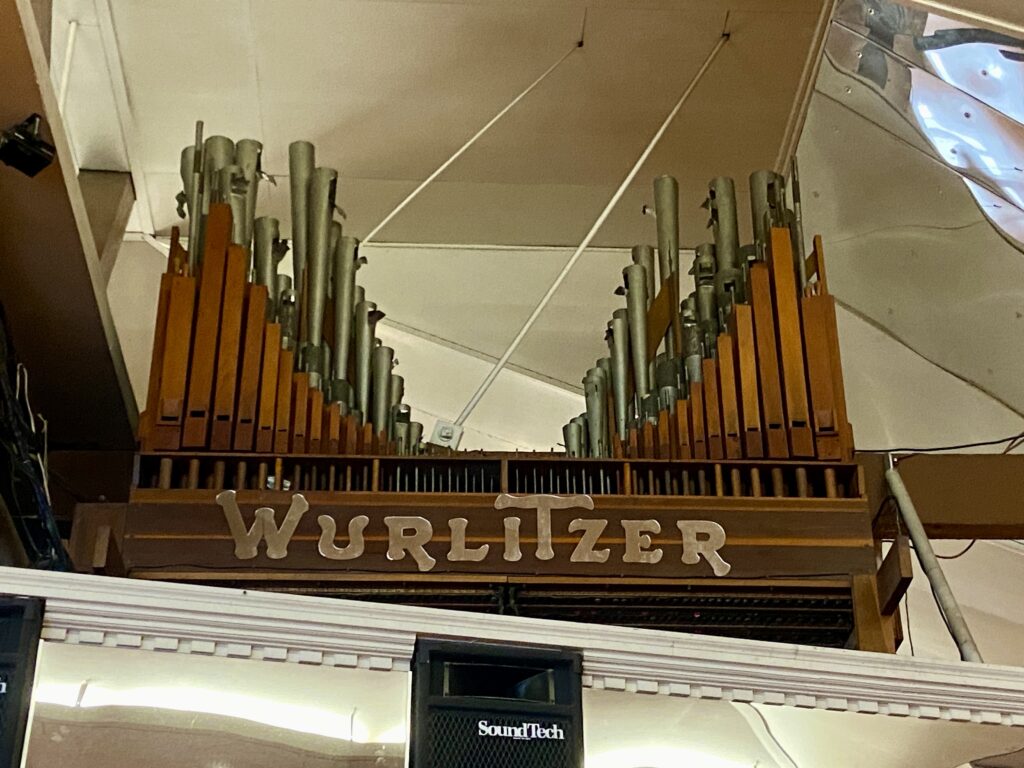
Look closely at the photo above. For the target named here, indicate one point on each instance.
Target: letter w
(263, 527)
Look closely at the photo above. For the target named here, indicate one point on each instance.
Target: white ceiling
(388, 89)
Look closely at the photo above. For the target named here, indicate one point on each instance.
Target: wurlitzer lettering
(413, 537)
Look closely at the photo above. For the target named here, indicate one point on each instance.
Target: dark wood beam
(895, 575)
(957, 495)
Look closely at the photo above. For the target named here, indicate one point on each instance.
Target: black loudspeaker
(479, 705)
(21, 622)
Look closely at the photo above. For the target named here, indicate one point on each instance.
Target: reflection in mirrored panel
(960, 88)
(912, 162)
(106, 708)
(626, 730)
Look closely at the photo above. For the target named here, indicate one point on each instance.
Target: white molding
(321, 631)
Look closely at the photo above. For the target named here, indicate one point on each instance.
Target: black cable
(959, 446)
(910, 637)
(961, 553)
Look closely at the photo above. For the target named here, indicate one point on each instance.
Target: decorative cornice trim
(236, 623)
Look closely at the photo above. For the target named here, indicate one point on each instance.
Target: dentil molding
(213, 621)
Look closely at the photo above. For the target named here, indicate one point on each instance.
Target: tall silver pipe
(230, 186)
(593, 389)
(581, 424)
(218, 151)
(287, 316)
(346, 262)
(332, 247)
(282, 283)
(692, 347)
(644, 256)
(187, 197)
(666, 372)
(401, 416)
(707, 308)
(944, 596)
(619, 343)
(383, 361)
(767, 206)
(321, 207)
(666, 208)
(192, 179)
(366, 317)
(721, 205)
(415, 436)
(730, 284)
(667, 397)
(301, 160)
(571, 435)
(397, 393)
(265, 236)
(247, 156)
(636, 306)
(797, 230)
(603, 385)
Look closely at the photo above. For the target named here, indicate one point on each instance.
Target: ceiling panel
(186, 60)
(388, 90)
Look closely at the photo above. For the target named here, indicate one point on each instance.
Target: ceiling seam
(895, 337)
(478, 354)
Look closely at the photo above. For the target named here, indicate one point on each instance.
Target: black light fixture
(22, 148)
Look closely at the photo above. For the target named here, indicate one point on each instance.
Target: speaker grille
(454, 742)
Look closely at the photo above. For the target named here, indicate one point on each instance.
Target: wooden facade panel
(741, 329)
(204, 355)
(170, 404)
(790, 340)
(784, 545)
(229, 351)
(728, 397)
(768, 362)
(252, 361)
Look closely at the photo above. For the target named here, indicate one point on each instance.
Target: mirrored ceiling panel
(912, 169)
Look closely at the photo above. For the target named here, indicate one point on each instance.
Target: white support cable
(470, 142)
(65, 73)
(514, 344)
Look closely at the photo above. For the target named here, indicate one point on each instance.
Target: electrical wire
(1014, 445)
(910, 637)
(957, 447)
(961, 553)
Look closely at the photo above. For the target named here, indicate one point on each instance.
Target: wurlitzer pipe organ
(248, 360)
(746, 366)
(707, 486)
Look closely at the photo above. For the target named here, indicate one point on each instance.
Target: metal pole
(514, 344)
(470, 142)
(926, 556)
